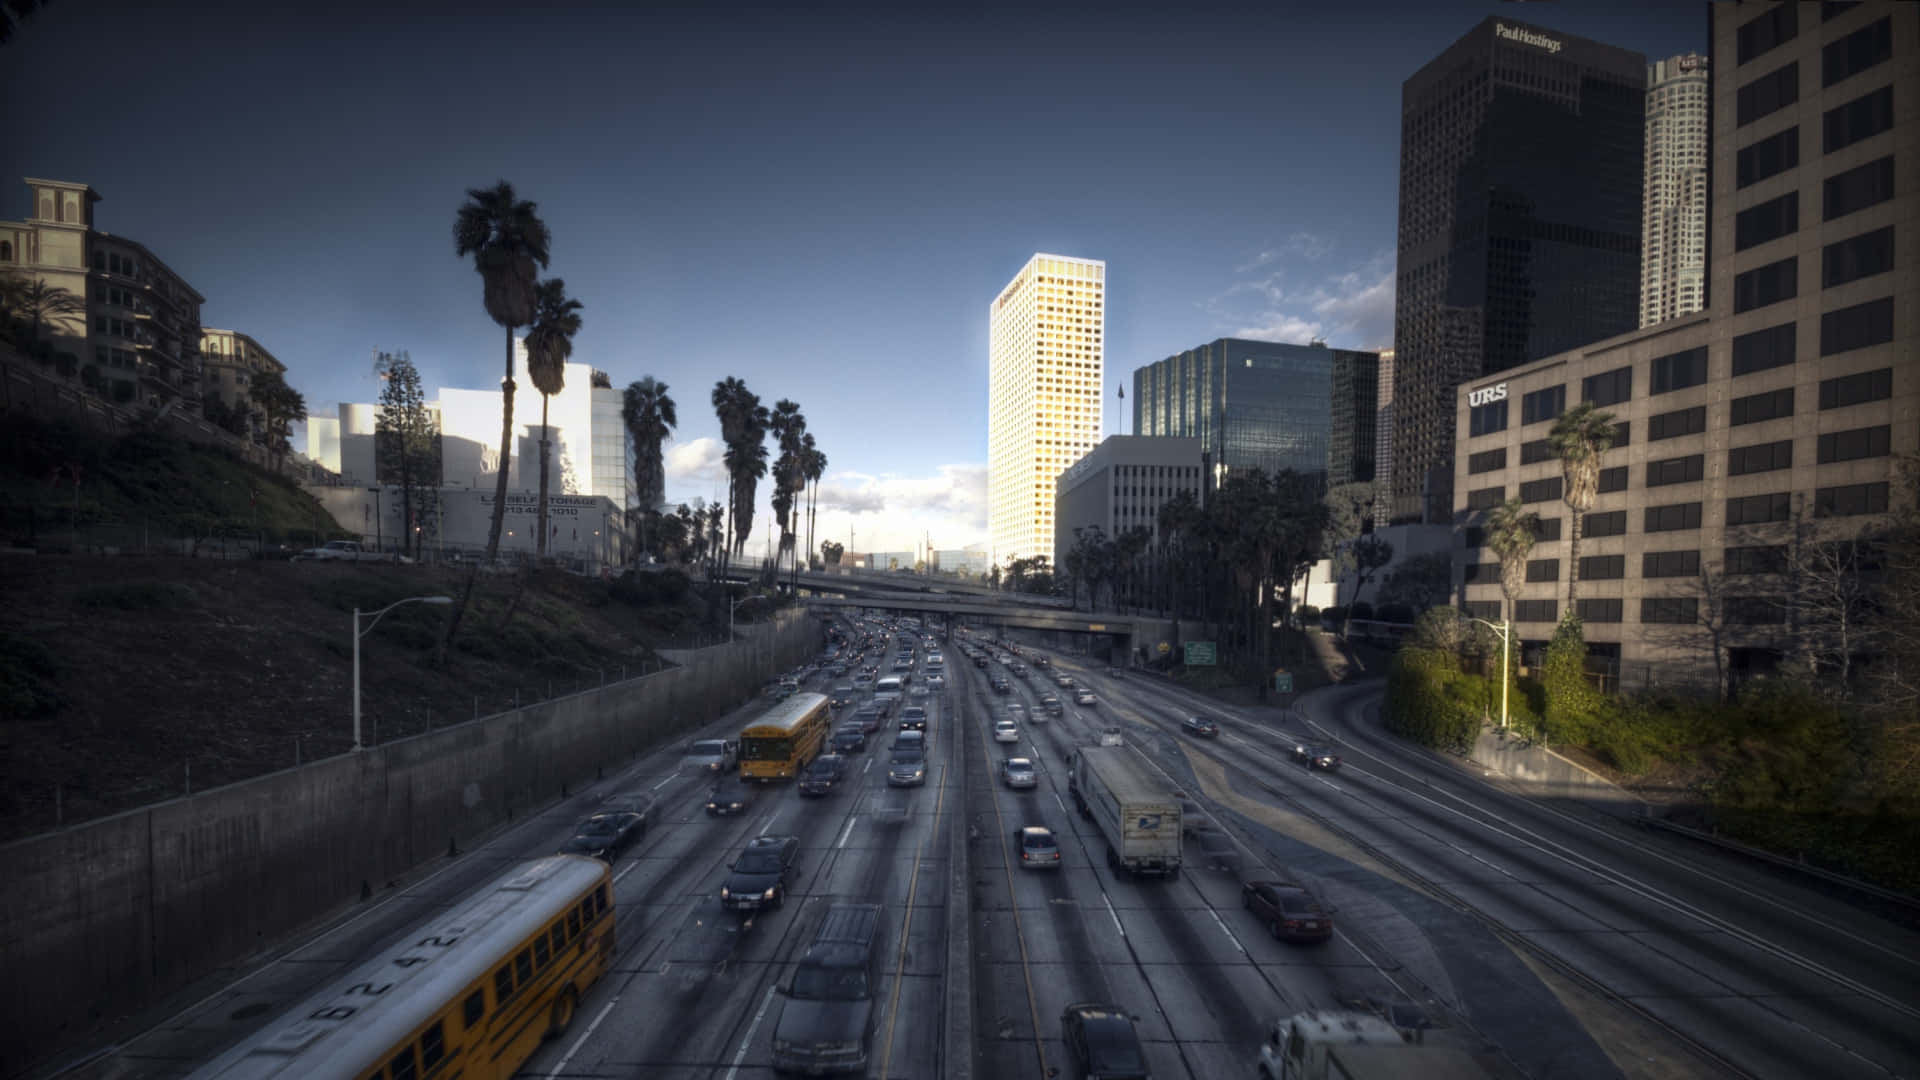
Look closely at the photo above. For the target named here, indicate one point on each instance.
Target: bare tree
(1833, 582)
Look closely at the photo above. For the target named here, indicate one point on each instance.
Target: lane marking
(1114, 915)
(906, 928)
(747, 1039)
(1223, 929)
(847, 832)
(582, 1040)
(662, 784)
(769, 824)
(631, 867)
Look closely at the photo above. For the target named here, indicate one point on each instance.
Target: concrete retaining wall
(1552, 776)
(105, 918)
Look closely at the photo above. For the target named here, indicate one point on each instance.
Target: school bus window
(600, 898)
(540, 954)
(403, 1065)
(586, 910)
(558, 936)
(523, 966)
(573, 922)
(432, 1046)
(475, 1006)
(503, 984)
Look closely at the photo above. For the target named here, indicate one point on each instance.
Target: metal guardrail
(1866, 887)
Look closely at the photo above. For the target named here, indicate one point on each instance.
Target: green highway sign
(1283, 682)
(1199, 654)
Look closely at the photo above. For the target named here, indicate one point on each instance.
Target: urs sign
(1487, 395)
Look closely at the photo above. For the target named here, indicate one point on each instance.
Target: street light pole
(359, 633)
(1505, 630)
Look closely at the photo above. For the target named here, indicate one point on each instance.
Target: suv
(908, 766)
(761, 873)
(825, 1023)
(1103, 1043)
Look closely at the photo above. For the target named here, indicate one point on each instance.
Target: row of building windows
(1844, 500)
(1737, 561)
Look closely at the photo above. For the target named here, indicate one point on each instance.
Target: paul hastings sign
(1527, 37)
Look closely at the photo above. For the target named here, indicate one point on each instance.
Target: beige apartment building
(230, 360)
(1774, 418)
(138, 341)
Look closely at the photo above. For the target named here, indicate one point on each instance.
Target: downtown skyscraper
(1045, 334)
(1521, 167)
(1673, 227)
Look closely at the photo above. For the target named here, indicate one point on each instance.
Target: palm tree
(787, 425)
(1511, 531)
(1581, 435)
(650, 416)
(734, 405)
(509, 243)
(35, 302)
(746, 463)
(814, 462)
(556, 318)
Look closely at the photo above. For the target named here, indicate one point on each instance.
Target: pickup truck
(348, 551)
(713, 755)
(1136, 811)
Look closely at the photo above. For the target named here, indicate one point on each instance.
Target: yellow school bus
(471, 994)
(781, 743)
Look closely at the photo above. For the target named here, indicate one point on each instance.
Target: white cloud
(1302, 245)
(694, 468)
(1280, 327)
(894, 512)
(1350, 308)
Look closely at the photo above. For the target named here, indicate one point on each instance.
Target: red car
(1290, 912)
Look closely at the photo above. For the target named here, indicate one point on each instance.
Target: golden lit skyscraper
(1044, 334)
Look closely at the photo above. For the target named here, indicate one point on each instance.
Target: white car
(1006, 731)
(918, 692)
(1018, 772)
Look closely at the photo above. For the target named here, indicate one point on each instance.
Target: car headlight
(771, 889)
(724, 892)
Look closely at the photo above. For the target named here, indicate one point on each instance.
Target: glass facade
(1267, 405)
(1521, 171)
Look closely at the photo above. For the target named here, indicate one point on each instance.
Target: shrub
(1363, 610)
(1336, 614)
(1431, 702)
(1307, 613)
(1573, 706)
(1438, 629)
(1394, 613)
(137, 596)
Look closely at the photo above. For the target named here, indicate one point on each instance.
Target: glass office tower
(1521, 167)
(1267, 405)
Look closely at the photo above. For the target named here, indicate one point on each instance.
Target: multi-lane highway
(1545, 940)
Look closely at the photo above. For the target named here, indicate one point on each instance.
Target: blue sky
(822, 203)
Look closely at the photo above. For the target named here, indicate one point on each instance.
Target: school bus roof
(786, 716)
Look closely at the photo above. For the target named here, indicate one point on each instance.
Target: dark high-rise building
(1263, 404)
(1521, 154)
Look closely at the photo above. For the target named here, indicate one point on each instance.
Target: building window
(1548, 530)
(1542, 405)
(1857, 120)
(1622, 433)
(1756, 610)
(1767, 94)
(1755, 408)
(1608, 388)
(1535, 611)
(1474, 537)
(1608, 523)
(1762, 457)
(1866, 442)
(1677, 371)
(1614, 479)
(1769, 220)
(1602, 567)
(1673, 517)
(1767, 284)
(1770, 156)
(1487, 419)
(1855, 389)
(1669, 609)
(1858, 188)
(1857, 257)
(1545, 489)
(1870, 45)
(1759, 509)
(1850, 500)
(1536, 451)
(1480, 572)
(1770, 28)
(1487, 460)
(1486, 498)
(1677, 470)
(1761, 559)
(1543, 569)
(1599, 609)
(1831, 8)
(1857, 327)
(1763, 350)
(1483, 609)
(1659, 564)
(1674, 424)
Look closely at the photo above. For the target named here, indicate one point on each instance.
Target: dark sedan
(848, 740)
(1103, 1043)
(729, 796)
(605, 836)
(1200, 726)
(1319, 757)
(1290, 912)
(825, 774)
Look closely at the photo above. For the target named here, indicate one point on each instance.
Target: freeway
(1703, 964)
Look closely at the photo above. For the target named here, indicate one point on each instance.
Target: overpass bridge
(849, 581)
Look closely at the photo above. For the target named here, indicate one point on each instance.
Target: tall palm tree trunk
(542, 548)
(506, 455)
(1573, 564)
